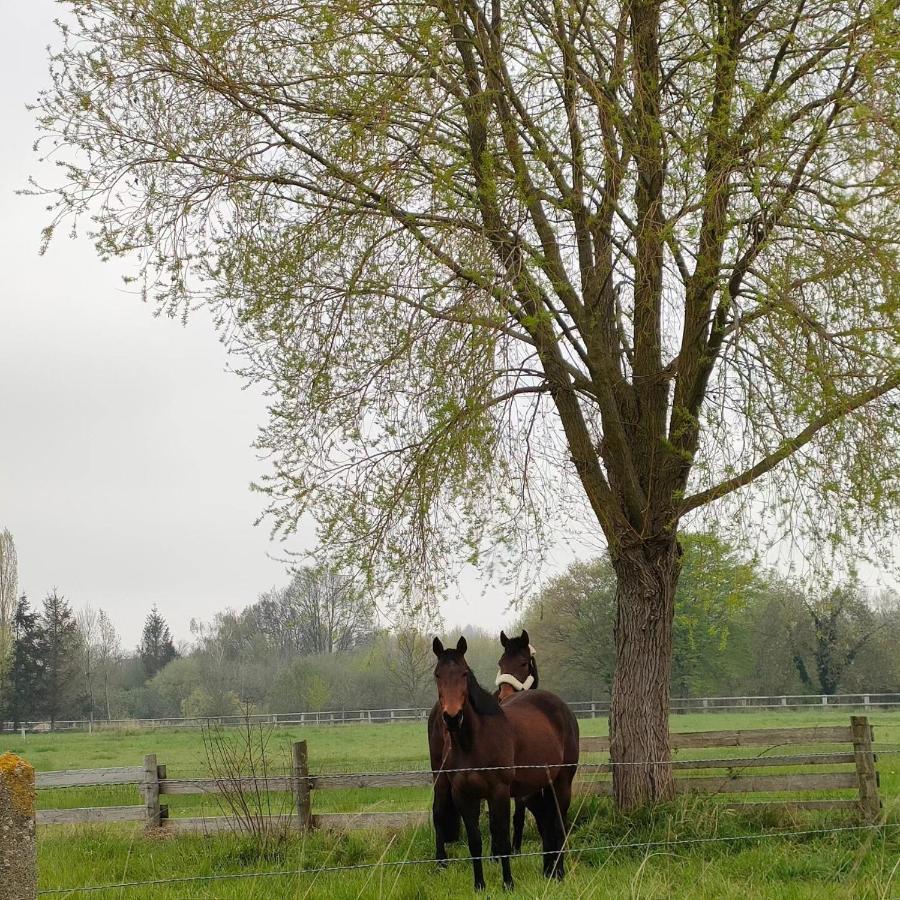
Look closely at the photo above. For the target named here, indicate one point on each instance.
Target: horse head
(518, 669)
(452, 677)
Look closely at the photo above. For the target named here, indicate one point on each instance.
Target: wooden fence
(851, 771)
(583, 709)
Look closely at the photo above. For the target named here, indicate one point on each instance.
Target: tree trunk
(647, 576)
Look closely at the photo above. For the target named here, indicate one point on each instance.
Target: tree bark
(647, 575)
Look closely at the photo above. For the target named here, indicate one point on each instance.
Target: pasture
(838, 864)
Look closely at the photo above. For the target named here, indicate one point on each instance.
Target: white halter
(514, 682)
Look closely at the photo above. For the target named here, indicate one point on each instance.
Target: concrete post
(18, 856)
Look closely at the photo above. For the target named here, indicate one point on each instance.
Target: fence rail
(583, 709)
(719, 777)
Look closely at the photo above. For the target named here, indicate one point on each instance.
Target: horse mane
(484, 703)
(533, 670)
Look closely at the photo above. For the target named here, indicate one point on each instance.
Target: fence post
(301, 784)
(150, 788)
(18, 856)
(865, 701)
(869, 802)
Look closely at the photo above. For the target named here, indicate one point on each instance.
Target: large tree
(24, 698)
(324, 611)
(62, 686)
(108, 654)
(156, 649)
(495, 259)
(832, 630)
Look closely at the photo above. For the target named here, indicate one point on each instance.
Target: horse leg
(518, 825)
(544, 816)
(559, 798)
(533, 804)
(498, 810)
(445, 817)
(470, 808)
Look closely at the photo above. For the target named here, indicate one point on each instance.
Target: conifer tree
(156, 647)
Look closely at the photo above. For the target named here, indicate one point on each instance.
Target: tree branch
(789, 447)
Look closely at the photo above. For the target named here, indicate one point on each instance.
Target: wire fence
(569, 851)
(287, 783)
(583, 709)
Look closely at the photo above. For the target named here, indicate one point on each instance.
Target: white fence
(583, 709)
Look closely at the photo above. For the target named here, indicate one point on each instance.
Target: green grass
(845, 864)
(857, 864)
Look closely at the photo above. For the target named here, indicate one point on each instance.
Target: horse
(528, 748)
(516, 671)
(517, 668)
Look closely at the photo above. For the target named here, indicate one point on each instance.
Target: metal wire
(287, 873)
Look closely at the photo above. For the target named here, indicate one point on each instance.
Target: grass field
(841, 864)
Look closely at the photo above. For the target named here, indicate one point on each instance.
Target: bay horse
(528, 748)
(517, 668)
(516, 671)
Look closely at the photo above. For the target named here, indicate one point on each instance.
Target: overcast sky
(127, 459)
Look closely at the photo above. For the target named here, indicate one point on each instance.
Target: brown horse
(517, 671)
(529, 749)
(517, 668)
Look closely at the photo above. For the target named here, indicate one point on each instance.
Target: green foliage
(497, 275)
(715, 586)
(60, 682)
(572, 621)
(24, 696)
(203, 701)
(156, 648)
(381, 241)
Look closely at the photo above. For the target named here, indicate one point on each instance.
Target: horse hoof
(443, 863)
(509, 885)
(479, 886)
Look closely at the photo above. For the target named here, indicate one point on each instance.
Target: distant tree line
(740, 630)
(62, 665)
(315, 643)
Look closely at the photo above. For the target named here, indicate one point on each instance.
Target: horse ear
(437, 646)
(461, 645)
(504, 639)
(525, 636)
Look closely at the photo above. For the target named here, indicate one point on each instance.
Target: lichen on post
(18, 858)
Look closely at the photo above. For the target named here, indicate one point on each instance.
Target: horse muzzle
(453, 723)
